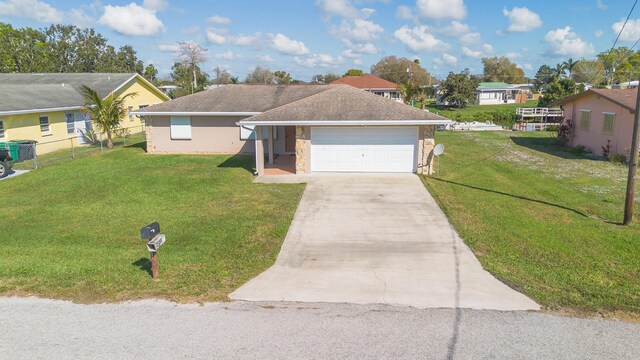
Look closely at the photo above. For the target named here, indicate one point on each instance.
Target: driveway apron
(377, 239)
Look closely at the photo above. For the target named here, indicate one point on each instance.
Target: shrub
(617, 158)
(564, 131)
(552, 128)
(606, 150)
(504, 118)
(578, 150)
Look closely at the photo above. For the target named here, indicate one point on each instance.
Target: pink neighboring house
(601, 116)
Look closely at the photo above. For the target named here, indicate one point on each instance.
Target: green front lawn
(542, 219)
(477, 112)
(72, 230)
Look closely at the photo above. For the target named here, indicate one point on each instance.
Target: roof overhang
(193, 113)
(33, 111)
(343, 122)
(147, 82)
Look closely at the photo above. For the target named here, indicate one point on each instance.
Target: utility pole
(633, 165)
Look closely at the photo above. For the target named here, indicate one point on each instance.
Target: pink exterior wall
(594, 139)
(209, 134)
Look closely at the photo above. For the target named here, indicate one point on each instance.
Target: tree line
(65, 49)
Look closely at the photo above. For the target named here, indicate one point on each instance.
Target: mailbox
(150, 231)
(154, 244)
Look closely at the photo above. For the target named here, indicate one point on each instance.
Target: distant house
(373, 84)
(626, 85)
(495, 93)
(47, 107)
(601, 117)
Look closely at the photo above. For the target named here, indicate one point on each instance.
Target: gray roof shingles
(343, 102)
(53, 90)
(239, 98)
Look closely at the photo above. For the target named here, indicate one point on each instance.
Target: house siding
(594, 139)
(210, 135)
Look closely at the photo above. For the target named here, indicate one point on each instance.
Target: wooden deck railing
(539, 112)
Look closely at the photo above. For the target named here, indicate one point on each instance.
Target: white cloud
(513, 55)
(169, 47)
(79, 18)
(190, 31)
(31, 9)
(419, 39)
(449, 59)
(471, 53)
(358, 62)
(227, 55)
(216, 36)
(284, 45)
(319, 60)
(598, 33)
(358, 30)
(368, 49)
(131, 19)
(601, 5)
(631, 31)
(157, 5)
(527, 66)
(404, 13)
(248, 40)
(216, 19)
(342, 8)
(266, 59)
(470, 38)
(564, 42)
(521, 19)
(442, 9)
(456, 29)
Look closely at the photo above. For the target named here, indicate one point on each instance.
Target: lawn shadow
(144, 264)
(515, 196)
(240, 161)
(547, 145)
(141, 145)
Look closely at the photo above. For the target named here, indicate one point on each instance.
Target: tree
(588, 72)
(151, 73)
(557, 89)
(401, 70)
(181, 74)
(569, 65)
(353, 72)
(459, 89)
(106, 113)
(221, 76)
(331, 77)
(282, 77)
(315, 79)
(408, 91)
(192, 56)
(502, 69)
(260, 75)
(543, 77)
(620, 64)
(560, 70)
(128, 60)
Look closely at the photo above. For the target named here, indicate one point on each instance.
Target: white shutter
(180, 128)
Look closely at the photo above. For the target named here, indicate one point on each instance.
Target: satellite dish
(438, 150)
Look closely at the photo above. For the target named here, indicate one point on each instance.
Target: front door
(290, 139)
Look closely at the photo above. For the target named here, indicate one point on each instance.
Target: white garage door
(364, 149)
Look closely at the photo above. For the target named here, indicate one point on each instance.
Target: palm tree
(408, 92)
(560, 70)
(106, 113)
(569, 65)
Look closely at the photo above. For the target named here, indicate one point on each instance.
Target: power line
(617, 38)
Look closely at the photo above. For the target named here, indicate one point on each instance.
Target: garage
(364, 149)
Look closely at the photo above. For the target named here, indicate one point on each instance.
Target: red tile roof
(622, 97)
(366, 82)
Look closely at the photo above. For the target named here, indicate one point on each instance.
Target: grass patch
(502, 114)
(71, 231)
(543, 219)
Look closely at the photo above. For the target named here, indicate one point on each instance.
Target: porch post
(259, 151)
(270, 144)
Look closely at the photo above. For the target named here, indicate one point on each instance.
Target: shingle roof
(366, 82)
(344, 103)
(53, 90)
(238, 98)
(622, 97)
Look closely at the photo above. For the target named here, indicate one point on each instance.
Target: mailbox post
(151, 232)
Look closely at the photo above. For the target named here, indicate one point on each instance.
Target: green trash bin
(14, 149)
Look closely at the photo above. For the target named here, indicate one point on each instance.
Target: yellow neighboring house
(47, 107)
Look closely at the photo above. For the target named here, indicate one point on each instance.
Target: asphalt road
(35, 328)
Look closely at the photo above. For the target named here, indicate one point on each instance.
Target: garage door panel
(364, 149)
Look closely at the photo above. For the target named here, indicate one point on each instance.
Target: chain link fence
(32, 155)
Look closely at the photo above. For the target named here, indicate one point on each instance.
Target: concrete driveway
(377, 239)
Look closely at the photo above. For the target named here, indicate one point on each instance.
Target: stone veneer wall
(426, 143)
(303, 135)
(148, 129)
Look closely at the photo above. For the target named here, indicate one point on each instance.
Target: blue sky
(307, 37)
